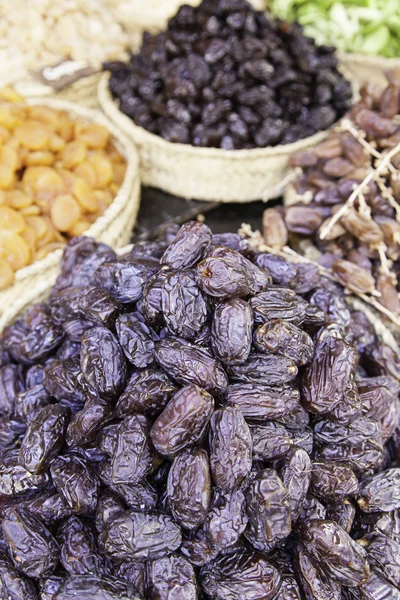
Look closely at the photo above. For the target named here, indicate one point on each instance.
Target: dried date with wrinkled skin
(376, 394)
(108, 506)
(124, 281)
(240, 575)
(324, 380)
(190, 364)
(312, 509)
(78, 547)
(76, 483)
(15, 480)
(42, 339)
(353, 433)
(44, 438)
(140, 496)
(62, 379)
(189, 488)
(86, 423)
(231, 331)
(342, 513)
(90, 303)
(88, 587)
(268, 509)
(375, 587)
(349, 408)
(339, 556)
(278, 303)
(282, 272)
(134, 573)
(259, 277)
(11, 384)
(263, 402)
(102, 362)
(12, 430)
(315, 584)
(183, 421)
(171, 576)
(332, 482)
(270, 441)
(183, 306)
(147, 392)
(133, 535)
(189, 246)
(264, 369)
(30, 402)
(231, 448)
(31, 546)
(136, 339)
(283, 338)
(381, 492)
(132, 459)
(152, 299)
(384, 556)
(227, 519)
(295, 473)
(49, 507)
(13, 584)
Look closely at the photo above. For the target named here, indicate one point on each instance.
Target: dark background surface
(159, 208)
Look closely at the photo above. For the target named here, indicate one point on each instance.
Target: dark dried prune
(296, 476)
(78, 547)
(259, 277)
(231, 331)
(171, 575)
(376, 587)
(188, 247)
(380, 492)
(183, 421)
(262, 402)
(315, 584)
(183, 306)
(332, 482)
(264, 369)
(132, 535)
(136, 339)
(91, 304)
(108, 506)
(339, 556)
(240, 575)
(325, 379)
(278, 303)
(230, 448)
(270, 441)
(102, 362)
(124, 281)
(76, 483)
(189, 488)
(11, 384)
(268, 509)
(187, 363)
(15, 480)
(147, 392)
(283, 338)
(13, 584)
(132, 459)
(31, 546)
(44, 438)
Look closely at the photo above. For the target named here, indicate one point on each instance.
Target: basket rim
(142, 136)
(131, 156)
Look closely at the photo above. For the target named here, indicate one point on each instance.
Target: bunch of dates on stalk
(227, 76)
(197, 420)
(361, 243)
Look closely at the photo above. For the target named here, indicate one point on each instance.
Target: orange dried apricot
(11, 220)
(84, 194)
(73, 153)
(15, 248)
(64, 212)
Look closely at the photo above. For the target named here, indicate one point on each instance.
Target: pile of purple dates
(197, 420)
(227, 76)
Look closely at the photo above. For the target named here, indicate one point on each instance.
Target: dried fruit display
(58, 174)
(166, 433)
(342, 212)
(227, 76)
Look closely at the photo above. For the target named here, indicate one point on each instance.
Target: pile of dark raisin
(227, 76)
(197, 420)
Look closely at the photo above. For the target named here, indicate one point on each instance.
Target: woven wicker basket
(206, 173)
(364, 68)
(114, 227)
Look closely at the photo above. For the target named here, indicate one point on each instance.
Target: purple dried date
(183, 306)
(13, 585)
(152, 299)
(133, 535)
(240, 575)
(30, 402)
(283, 338)
(132, 458)
(31, 546)
(259, 278)
(270, 441)
(384, 556)
(11, 385)
(189, 488)
(183, 421)
(262, 402)
(136, 339)
(134, 573)
(90, 304)
(88, 587)
(124, 281)
(278, 303)
(342, 513)
(15, 480)
(332, 482)
(282, 272)
(188, 247)
(62, 379)
(187, 363)
(171, 576)
(316, 585)
(324, 380)
(227, 520)
(354, 433)
(268, 509)
(231, 331)
(296, 476)
(376, 395)
(102, 362)
(264, 369)
(86, 423)
(76, 483)
(340, 557)
(147, 392)
(230, 448)
(12, 429)
(380, 493)
(140, 497)
(49, 507)
(78, 547)
(44, 438)
(43, 338)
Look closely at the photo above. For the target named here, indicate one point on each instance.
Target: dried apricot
(65, 212)
(6, 177)
(9, 157)
(32, 135)
(73, 153)
(15, 249)
(95, 136)
(39, 157)
(11, 220)
(87, 172)
(38, 224)
(84, 194)
(79, 227)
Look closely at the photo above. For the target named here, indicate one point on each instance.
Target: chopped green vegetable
(364, 26)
